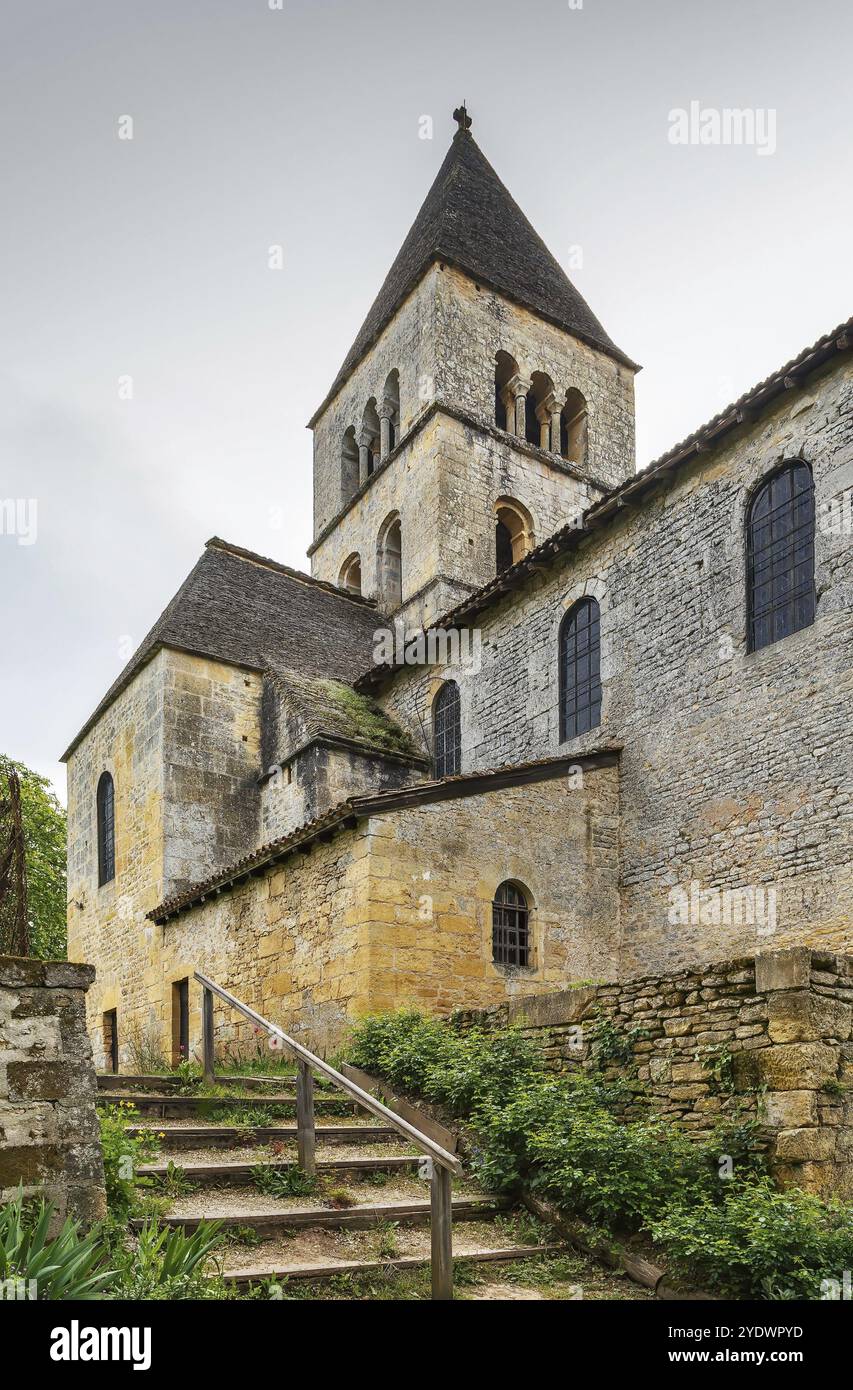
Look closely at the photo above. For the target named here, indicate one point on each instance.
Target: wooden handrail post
(305, 1117)
(441, 1232)
(207, 1036)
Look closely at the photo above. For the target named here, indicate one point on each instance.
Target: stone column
(516, 390)
(386, 414)
(364, 441)
(556, 418)
(544, 414)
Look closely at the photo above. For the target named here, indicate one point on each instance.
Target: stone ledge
(21, 971)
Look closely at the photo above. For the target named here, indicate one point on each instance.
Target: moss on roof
(334, 708)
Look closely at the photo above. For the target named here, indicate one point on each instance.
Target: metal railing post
(441, 1232)
(305, 1117)
(207, 1036)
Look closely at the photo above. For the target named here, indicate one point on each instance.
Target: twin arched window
(580, 669)
(780, 532)
(378, 434)
(510, 926)
(534, 411)
(447, 731)
(106, 816)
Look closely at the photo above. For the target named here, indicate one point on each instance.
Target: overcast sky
(255, 125)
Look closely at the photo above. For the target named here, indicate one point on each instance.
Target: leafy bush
(168, 1264)
(758, 1242)
(563, 1138)
(562, 1141)
(66, 1266)
(123, 1153)
(425, 1056)
(288, 1181)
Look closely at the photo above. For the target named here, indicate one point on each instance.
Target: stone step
(236, 1136)
(318, 1273)
(164, 1082)
(177, 1106)
(410, 1213)
(221, 1174)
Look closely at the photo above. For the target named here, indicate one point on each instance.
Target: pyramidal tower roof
(470, 220)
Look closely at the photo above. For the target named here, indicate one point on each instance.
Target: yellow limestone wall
(397, 912)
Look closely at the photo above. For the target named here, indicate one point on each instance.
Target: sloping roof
(470, 220)
(745, 409)
(241, 608)
(332, 709)
(347, 813)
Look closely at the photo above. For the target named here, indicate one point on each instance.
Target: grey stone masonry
(49, 1135)
(767, 1036)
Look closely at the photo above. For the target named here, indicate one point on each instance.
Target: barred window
(447, 730)
(580, 669)
(510, 926)
(106, 829)
(780, 556)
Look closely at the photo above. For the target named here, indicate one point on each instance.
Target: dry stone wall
(767, 1036)
(49, 1134)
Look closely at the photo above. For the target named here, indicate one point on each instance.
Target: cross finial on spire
(461, 115)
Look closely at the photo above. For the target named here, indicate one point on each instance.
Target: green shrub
(66, 1266)
(562, 1141)
(168, 1264)
(123, 1153)
(428, 1058)
(758, 1242)
(288, 1181)
(720, 1227)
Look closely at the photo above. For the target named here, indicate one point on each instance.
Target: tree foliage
(44, 835)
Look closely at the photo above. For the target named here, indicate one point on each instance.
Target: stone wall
(767, 1036)
(182, 743)
(736, 769)
(395, 911)
(49, 1134)
(443, 341)
(444, 481)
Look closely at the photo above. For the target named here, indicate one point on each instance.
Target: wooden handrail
(307, 1058)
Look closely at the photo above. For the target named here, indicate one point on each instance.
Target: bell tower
(481, 407)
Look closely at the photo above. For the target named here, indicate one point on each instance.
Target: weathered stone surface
(784, 969)
(49, 1131)
(790, 1109)
(801, 1016)
(64, 974)
(796, 1066)
(42, 1080)
(15, 971)
(29, 1164)
(804, 1145)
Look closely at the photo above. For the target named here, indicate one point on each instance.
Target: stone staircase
(232, 1158)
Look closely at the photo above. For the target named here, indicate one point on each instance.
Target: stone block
(800, 1016)
(14, 971)
(65, 974)
(42, 1080)
(789, 1109)
(787, 1067)
(805, 1145)
(29, 1164)
(789, 968)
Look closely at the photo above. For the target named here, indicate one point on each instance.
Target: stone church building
(616, 741)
